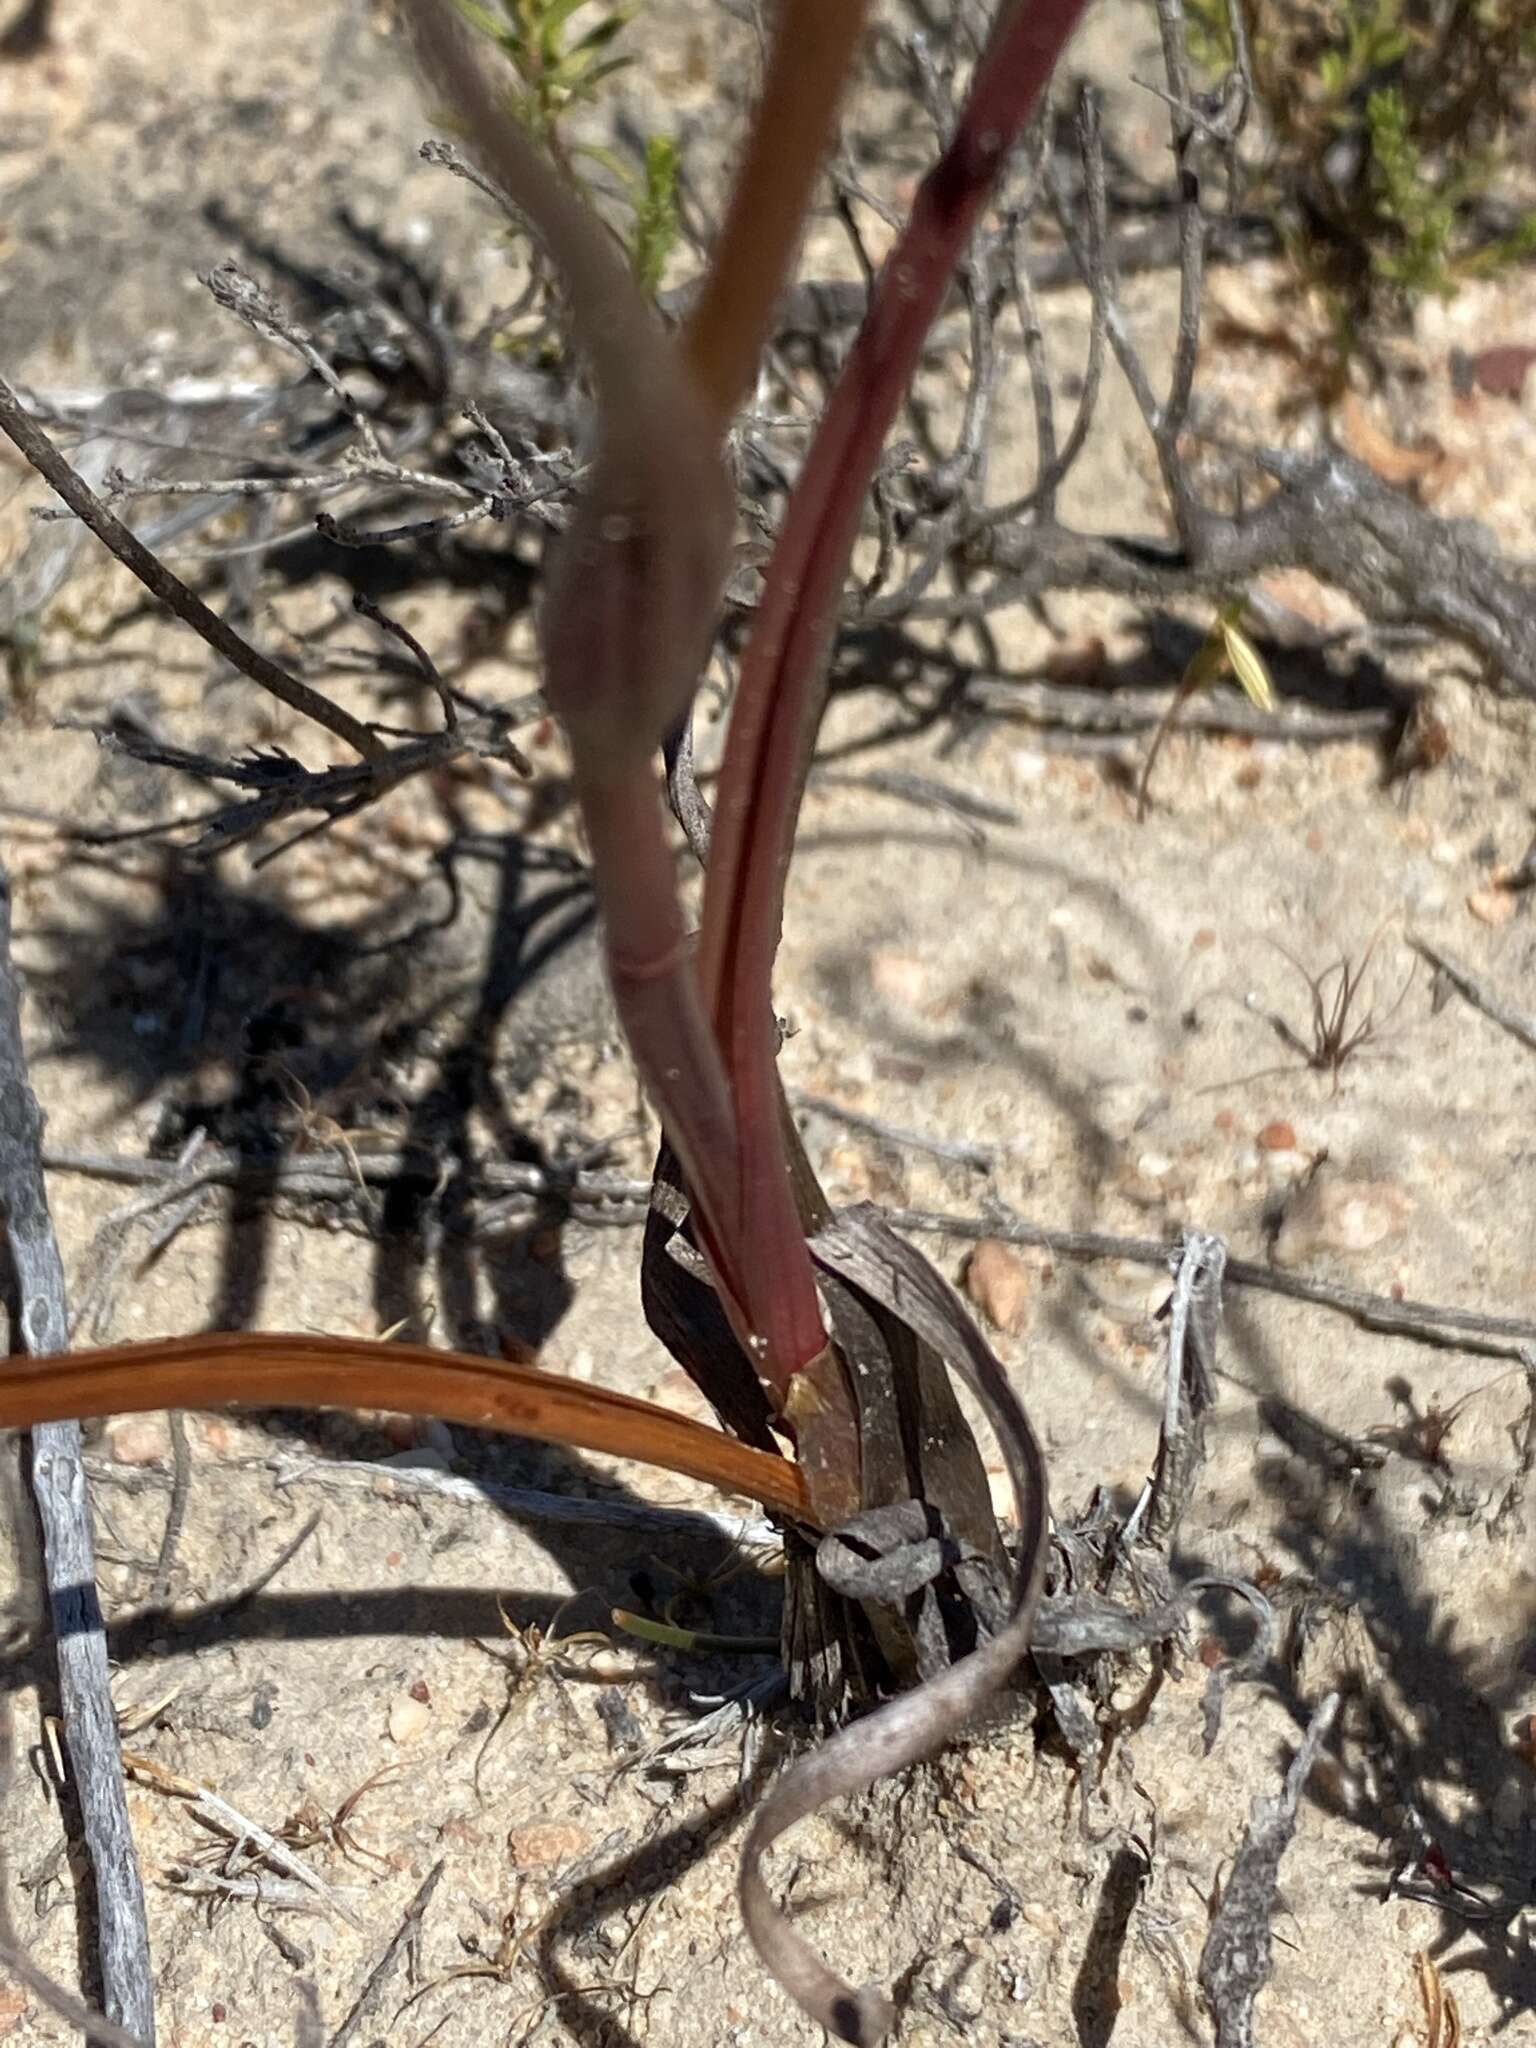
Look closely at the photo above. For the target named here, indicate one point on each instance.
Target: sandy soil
(1086, 996)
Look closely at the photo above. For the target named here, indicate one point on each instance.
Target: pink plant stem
(780, 695)
(655, 983)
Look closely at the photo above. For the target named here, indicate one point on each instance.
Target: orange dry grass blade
(808, 65)
(260, 1370)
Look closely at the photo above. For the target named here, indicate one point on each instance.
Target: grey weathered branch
(1331, 515)
(45, 458)
(1237, 1958)
(41, 1324)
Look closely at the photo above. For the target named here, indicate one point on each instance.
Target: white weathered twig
(576, 1510)
(248, 1839)
(58, 1480)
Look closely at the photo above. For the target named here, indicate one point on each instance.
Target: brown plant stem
(267, 1370)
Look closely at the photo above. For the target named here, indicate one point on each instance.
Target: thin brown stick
(1462, 1329)
(45, 458)
(1518, 1023)
(611, 1199)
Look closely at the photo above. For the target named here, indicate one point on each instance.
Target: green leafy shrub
(561, 52)
(1394, 127)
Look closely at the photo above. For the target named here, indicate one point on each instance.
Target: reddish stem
(781, 691)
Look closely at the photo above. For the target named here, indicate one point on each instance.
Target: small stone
(1277, 1137)
(902, 978)
(1501, 371)
(610, 1665)
(1340, 1216)
(409, 1719)
(997, 1281)
(850, 1170)
(543, 1843)
(138, 1440)
(1492, 906)
(422, 1459)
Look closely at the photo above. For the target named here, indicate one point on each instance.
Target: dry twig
(44, 457)
(405, 1937)
(248, 1841)
(1518, 1023)
(1235, 1963)
(41, 1324)
(613, 1199)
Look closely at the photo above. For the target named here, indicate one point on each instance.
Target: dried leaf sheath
(862, 1250)
(258, 1370)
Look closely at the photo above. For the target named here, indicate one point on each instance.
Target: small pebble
(1277, 1137)
(409, 1719)
(423, 1459)
(138, 1440)
(1341, 1216)
(902, 978)
(1492, 906)
(545, 1842)
(997, 1281)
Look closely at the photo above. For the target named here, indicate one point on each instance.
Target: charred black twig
(283, 788)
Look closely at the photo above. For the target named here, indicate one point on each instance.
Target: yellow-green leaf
(1247, 664)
